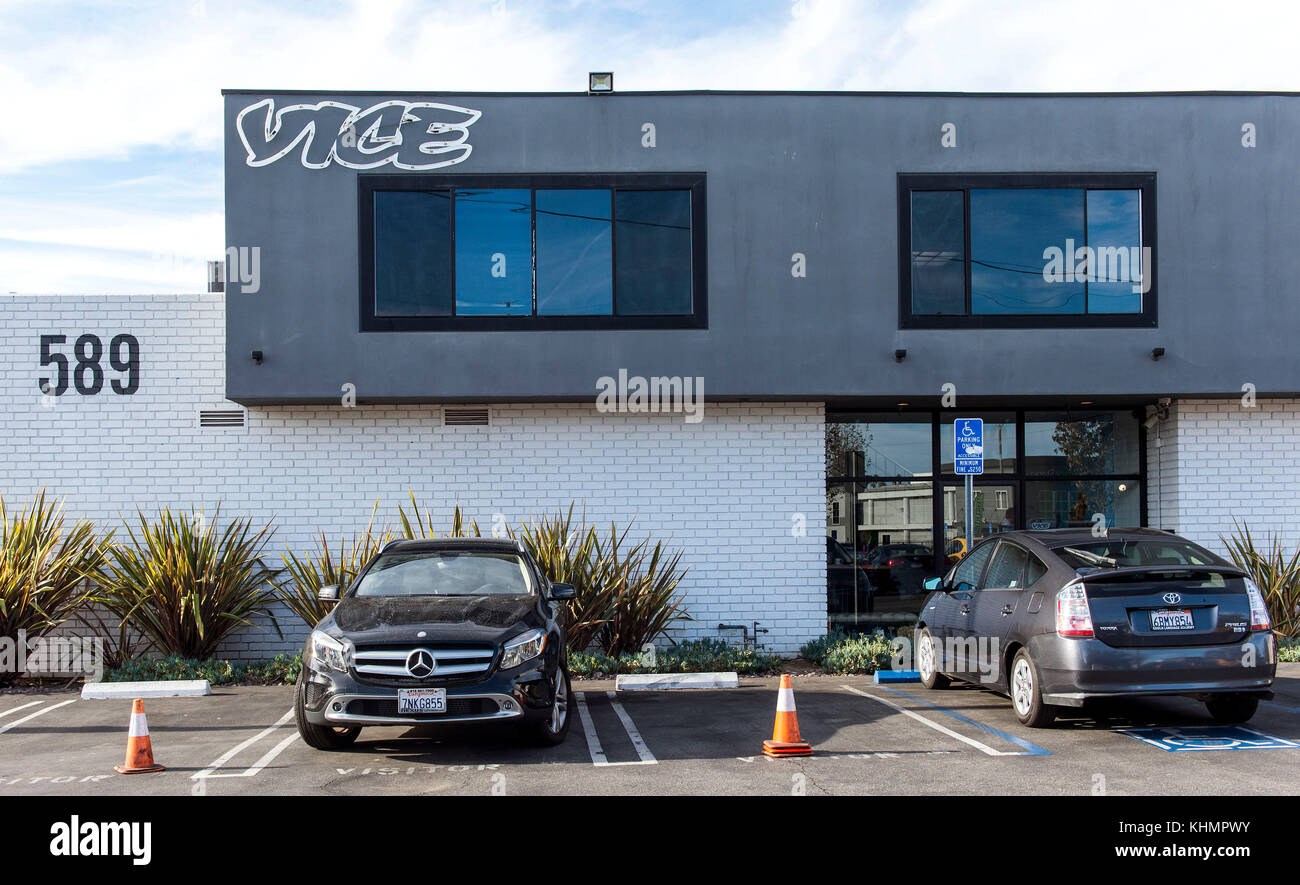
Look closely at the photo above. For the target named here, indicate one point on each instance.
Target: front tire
(1026, 693)
(553, 729)
(927, 662)
(1232, 709)
(319, 737)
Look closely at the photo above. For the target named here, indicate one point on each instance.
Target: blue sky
(110, 166)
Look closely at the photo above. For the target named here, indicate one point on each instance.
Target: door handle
(1006, 610)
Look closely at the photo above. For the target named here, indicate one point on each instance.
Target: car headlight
(330, 653)
(523, 647)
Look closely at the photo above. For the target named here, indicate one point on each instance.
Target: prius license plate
(1172, 619)
(421, 701)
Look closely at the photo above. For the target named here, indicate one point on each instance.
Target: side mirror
(932, 584)
(562, 592)
(963, 590)
(328, 593)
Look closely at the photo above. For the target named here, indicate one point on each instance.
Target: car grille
(387, 709)
(386, 664)
(315, 695)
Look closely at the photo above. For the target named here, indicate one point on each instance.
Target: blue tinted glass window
(938, 252)
(653, 252)
(494, 252)
(1115, 237)
(575, 274)
(412, 253)
(1010, 230)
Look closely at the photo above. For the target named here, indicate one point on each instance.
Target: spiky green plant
(1276, 575)
(626, 596)
(647, 603)
(45, 570)
(570, 556)
(322, 566)
(423, 527)
(187, 585)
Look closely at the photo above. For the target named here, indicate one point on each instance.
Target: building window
(1042, 470)
(412, 274)
(464, 252)
(1023, 251)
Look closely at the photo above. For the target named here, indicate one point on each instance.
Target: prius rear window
(1108, 553)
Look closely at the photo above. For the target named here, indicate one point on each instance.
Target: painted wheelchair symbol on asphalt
(1200, 738)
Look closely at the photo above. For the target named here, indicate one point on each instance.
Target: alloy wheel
(925, 656)
(1022, 686)
(560, 706)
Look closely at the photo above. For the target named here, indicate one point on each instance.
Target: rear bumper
(1075, 670)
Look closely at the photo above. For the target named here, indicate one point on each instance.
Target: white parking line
(589, 729)
(240, 747)
(19, 707)
(641, 749)
(983, 748)
(41, 712)
(598, 756)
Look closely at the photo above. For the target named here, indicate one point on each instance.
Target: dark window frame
(694, 182)
(1017, 481)
(967, 181)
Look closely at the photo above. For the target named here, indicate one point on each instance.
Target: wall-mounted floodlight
(1157, 353)
(257, 357)
(600, 82)
(900, 355)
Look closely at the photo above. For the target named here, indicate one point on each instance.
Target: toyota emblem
(420, 663)
(1172, 598)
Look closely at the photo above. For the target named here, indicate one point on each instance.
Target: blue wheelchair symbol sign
(1200, 738)
(968, 446)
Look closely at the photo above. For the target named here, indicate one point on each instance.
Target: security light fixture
(1157, 353)
(900, 355)
(1161, 413)
(257, 357)
(600, 82)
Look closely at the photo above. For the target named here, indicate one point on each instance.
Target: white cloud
(155, 80)
(96, 85)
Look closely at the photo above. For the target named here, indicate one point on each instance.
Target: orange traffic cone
(785, 734)
(139, 752)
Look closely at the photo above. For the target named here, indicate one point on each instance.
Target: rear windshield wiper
(1094, 558)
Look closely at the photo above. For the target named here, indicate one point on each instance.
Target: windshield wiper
(1094, 558)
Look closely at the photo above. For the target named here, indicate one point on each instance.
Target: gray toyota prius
(1056, 618)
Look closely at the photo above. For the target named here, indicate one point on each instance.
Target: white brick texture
(1213, 461)
(724, 491)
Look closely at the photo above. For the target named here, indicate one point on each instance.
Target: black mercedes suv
(438, 631)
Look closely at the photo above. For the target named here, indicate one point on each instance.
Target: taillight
(1259, 619)
(893, 563)
(1073, 617)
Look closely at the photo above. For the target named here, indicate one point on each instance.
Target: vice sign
(408, 134)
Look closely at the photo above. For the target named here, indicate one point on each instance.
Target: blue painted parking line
(1281, 706)
(1202, 738)
(1030, 749)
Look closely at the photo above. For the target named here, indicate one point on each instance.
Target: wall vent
(463, 417)
(214, 418)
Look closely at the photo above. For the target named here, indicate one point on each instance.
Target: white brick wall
(724, 490)
(1214, 460)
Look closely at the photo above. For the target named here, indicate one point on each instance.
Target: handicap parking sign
(1200, 738)
(968, 446)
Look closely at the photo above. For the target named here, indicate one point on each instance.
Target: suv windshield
(447, 573)
(1133, 553)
